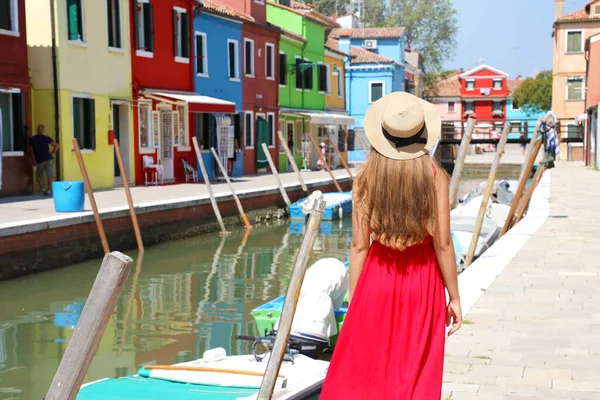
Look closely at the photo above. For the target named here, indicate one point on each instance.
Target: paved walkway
(535, 332)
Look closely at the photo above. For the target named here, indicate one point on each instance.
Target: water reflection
(181, 298)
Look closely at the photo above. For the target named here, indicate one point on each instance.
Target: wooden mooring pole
(235, 197)
(344, 163)
(522, 182)
(527, 197)
(324, 161)
(487, 194)
(460, 160)
(215, 206)
(290, 157)
(291, 301)
(94, 318)
(125, 179)
(276, 175)
(531, 144)
(90, 193)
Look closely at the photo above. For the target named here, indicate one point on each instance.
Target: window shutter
(5, 16)
(89, 124)
(117, 12)
(77, 121)
(185, 35)
(155, 129)
(176, 132)
(231, 58)
(299, 75)
(149, 26)
(310, 77)
(282, 69)
(73, 19)
(18, 125)
(200, 54)
(109, 19)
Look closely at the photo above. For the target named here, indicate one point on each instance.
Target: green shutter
(574, 42)
(77, 121)
(282, 69)
(185, 35)
(299, 75)
(73, 19)
(89, 116)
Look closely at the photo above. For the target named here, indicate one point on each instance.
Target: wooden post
(521, 186)
(362, 143)
(486, 195)
(138, 268)
(291, 301)
(460, 160)
(207, 182)
(94, 318)
(337, 151)
(90, 193)
(525, 200)
(134, 221)
(324, 161)
(531, 143)
(276, 175)
(290, 157)
(235, 197)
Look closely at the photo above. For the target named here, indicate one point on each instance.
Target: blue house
(374, 69)
(519, 119)
(217, 73)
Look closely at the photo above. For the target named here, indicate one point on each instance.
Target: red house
(483, 92)
(15, 113)
(163, 88)
(260, 86)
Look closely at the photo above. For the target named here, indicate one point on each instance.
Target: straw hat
(401, 126)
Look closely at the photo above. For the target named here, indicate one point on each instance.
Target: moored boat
(338, 205)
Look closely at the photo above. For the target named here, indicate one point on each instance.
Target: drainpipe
(55, 86)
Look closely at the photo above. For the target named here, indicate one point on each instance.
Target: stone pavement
(535, 332)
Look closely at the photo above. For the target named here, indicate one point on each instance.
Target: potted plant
(469, 114)
(497, 113)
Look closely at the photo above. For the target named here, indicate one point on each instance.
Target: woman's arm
(359, 247)
(444, 250)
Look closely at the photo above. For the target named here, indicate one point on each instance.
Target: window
(9, 16)
(182, 113)
(75, 20)
(575, 88)
(114, 23)
(597, 9)
(469, 106)
(340, 83)
(497, 106)
(145, 128)
(84, 122)
(203, 131)
(282, 68)
(13, 121)
(323, 78)
(249, 57)
(299, 74)
(470, 84)
(201, 57)
(451, 107)
(307, 75)
(144, 27)
(233, 59)
(515, 127)
(574, 42)
(271, 125)
(249, 129)
(514, 105)
(375, 91)
(181, 35)
(497, 84)
(270, 61)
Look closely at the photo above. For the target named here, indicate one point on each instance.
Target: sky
(514, 36)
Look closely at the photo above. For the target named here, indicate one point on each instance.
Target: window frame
(453, 111)
(371, 90)
(582, 45)
(121, 46)
(494, 103)
(14, 19)
(149, 149)
(183, 114)
(84, 148)
(273, 129)
(14, 129)
(467, 109)
(497, 80)
(204, 58)
(298, 74)
(181, 42)
(82, 39)
(142, 52)
(252, 60)
(252, 123)
(467, 82)
(236, 43)
(512, 105)
(575, 78)
(272, 46)
(282, 74)
(340, 84)
(308, 72)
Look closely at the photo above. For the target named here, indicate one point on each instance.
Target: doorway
(121, 127)
(165, 154)
(262, 136)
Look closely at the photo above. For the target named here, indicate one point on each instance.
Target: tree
(431, 28)
(374, 13)
(534, 94)
(331, 7)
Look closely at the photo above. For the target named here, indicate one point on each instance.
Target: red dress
(391, 345)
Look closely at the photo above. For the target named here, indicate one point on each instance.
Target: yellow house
(335, 98)
(571, 32)
(80, 63)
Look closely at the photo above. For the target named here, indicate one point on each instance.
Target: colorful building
(414, 83)
(569, 71)
(592, 133)
(520, 120)
(218, 73)
(86, 93)
(15, 100)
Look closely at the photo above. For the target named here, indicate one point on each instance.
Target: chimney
(559, 9)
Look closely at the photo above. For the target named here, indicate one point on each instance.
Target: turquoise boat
(338, 206)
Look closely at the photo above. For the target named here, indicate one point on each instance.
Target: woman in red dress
(392, 342)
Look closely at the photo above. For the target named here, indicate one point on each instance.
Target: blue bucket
(69, 196)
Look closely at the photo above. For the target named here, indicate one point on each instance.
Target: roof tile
(448, 87)
(333, 45)
(368, 33)
(579, 15)
(217, 7)
(361, 56)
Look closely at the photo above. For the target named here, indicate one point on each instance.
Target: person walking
(42, 157)
(401, 263)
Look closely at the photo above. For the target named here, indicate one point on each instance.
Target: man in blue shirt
(42, 157)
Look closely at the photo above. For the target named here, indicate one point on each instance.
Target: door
(262, 136)
(166, 144)
(116, 125)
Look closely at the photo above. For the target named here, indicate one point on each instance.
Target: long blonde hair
(398, 199)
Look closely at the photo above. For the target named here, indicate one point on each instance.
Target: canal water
(181, 299)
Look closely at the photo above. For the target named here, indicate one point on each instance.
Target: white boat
(495, 211)
(463, 225)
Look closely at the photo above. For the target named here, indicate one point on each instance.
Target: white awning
(196, 102)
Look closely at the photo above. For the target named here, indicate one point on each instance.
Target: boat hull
(335, 202)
